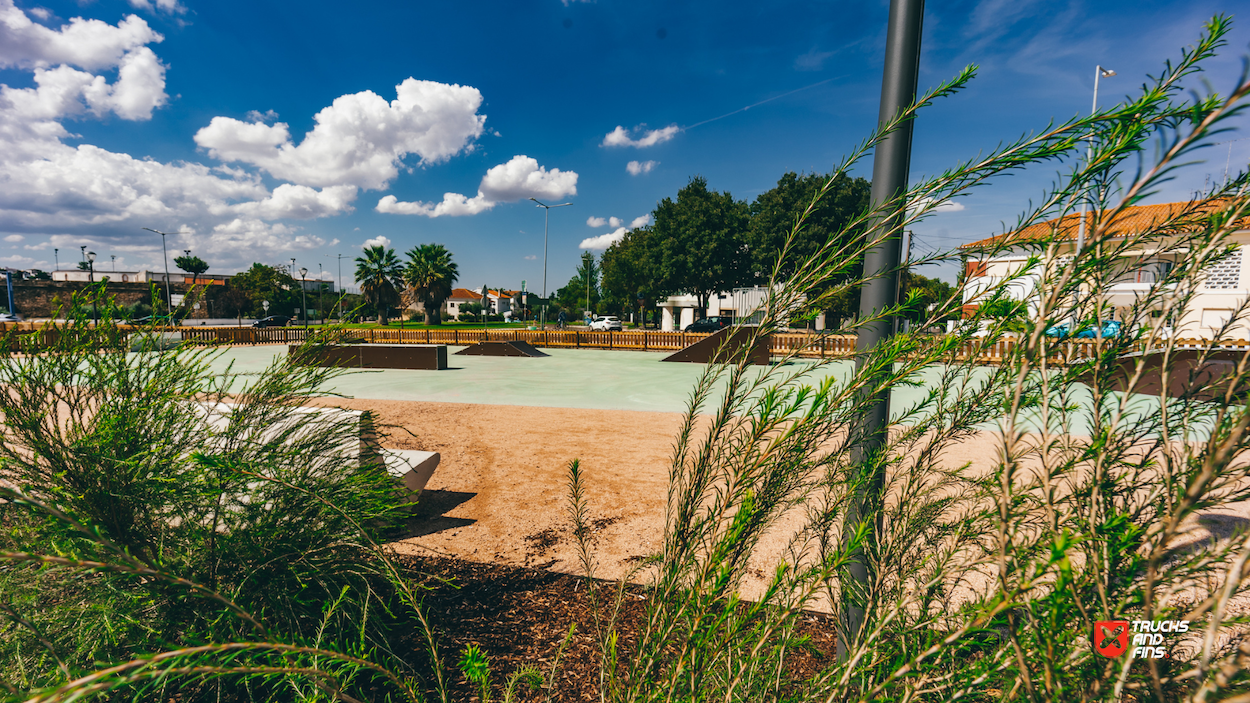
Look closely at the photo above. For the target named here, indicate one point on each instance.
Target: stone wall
(39, 299)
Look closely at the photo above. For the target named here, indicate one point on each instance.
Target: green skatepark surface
(568, 378)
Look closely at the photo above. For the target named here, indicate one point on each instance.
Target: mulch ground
(519, 617)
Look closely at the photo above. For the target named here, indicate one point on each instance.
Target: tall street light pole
(169, 299)
(303, 292)
(321, 304)
(891, 163)
(546, 221)
(56, 258)
(95, 313)
(339, 258)
(1099, 72)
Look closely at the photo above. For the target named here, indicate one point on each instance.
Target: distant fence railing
(809, 345)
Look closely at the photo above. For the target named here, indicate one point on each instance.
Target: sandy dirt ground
(500, 494)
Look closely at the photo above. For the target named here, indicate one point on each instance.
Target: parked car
(709, 324)
(272, 321)
(606, 323)
(1110, 328)
(9, 317)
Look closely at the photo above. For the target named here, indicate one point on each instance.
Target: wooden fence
(809, 345)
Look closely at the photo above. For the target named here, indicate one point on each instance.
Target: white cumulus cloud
(620, 137)
(519, 178)
(604, 241)
(301, 203)
(360, 139)
(14, 238)
(88, 44)
(170, 6)
(637, 168)
(593, 221)
(378, 241)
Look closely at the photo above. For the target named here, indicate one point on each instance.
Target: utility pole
(891, 162)
(339, 303)
(546, 221)
(169, 300)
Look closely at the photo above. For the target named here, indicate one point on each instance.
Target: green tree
(429, 278)
(573, 296)
(699, 245)
(193, 265)
(627, 272)
(773, 217)
(377, 273)
(264, 282)
(920, 292)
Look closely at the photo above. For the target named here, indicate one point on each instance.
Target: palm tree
(429, 277)
(377, 272)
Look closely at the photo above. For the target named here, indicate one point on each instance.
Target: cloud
(615, 222)
(258, 116)
(14, 238)
(301, 203)
(813, 60)
(453, 205)
(595, 221)
(519, 178)
(75, 194)
(945, 206)
(87, 44)
(360, 139)
(378, 241)
(637, 168)
(170, 6)
(532, 257)
(620, 137)
(604, 241)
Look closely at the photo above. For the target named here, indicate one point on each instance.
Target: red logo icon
(1111, 637)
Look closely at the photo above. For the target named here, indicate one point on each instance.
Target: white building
(1226, 285)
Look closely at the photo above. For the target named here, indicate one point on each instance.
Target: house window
(1225, 275)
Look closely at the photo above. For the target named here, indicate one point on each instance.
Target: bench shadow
(431, 513)
(1219, 526)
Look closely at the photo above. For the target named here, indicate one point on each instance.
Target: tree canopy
(259, 283)
(193, 265)
(429, 278)
(379, 272)
(697, 242)
(573, 295)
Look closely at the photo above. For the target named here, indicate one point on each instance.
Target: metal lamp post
(169, 299)
(113, 259)
(95, 313)
(546, 222)
(1099, 72)
(321, 289)
(56, 258)
(303, 292)
(339, 303)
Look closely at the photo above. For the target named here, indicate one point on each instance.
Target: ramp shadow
(431, 514)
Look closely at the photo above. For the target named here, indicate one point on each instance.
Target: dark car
(272, 321)
(709, 324)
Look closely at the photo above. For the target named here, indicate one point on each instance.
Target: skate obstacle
(1196, 374)
(410, 468)
(721, 346)
(432, 357)
(510, 348)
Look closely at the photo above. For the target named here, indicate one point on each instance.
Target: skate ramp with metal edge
(428, 357)
(512, 348)
(722, 346)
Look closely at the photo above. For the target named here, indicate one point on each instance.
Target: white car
(8, 317)
(606, 324)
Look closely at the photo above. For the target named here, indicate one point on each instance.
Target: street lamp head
(91, 255)
(302, 271)
(1106, 72)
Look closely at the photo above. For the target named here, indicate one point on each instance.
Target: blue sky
(263, 131)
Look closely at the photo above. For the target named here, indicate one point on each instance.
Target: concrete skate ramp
(501, 349)
(1188, 375)
(722, 346)
(381, 356)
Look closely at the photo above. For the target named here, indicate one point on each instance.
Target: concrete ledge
(382, 356)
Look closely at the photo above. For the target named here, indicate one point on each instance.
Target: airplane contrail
(768, 100)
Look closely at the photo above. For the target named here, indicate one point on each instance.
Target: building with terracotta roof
(1002, 260)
